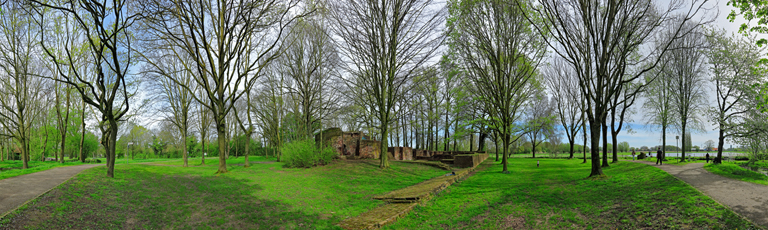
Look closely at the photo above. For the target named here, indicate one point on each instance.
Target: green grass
(34, 166)
(557, 196)
(732, 170)
(762, 164)
(37, 166)
(674, 160)
(263, 196)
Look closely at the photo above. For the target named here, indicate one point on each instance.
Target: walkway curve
(16, 191)
(748, 199)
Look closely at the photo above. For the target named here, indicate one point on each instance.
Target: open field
(264, 196)
(268, 196)
(556, 196)
(14, 167)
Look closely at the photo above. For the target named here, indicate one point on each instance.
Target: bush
(641, 156)
(304, 154)
(741, 158)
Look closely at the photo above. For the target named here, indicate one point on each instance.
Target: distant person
(658, 157)
(633, 154)
(537, 163)
(707, 157)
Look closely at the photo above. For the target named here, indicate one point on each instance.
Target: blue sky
(644, 137)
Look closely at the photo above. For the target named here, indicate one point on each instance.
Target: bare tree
(204, 120)
(501, 55)
(539, 118)
(687, 71)
(564, 85)
(105, 25)
(20, 90)
(600, 39)
(386, 41)
(658, 105)
(228, 42)
(310, 62)
(269, 108)
(177, 100)
(621, 108)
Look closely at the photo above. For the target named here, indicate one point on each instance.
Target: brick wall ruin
(351, 144)
(400, 153)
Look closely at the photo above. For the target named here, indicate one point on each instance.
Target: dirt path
(747, 199)
(16, 191)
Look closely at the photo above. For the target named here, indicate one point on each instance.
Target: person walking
(633, 154)
(659, 156)
(707, 157)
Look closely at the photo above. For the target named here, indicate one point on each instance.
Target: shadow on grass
(145, 197)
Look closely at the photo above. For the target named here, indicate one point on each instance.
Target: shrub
(304, 154)
(641, 156)
(741, 158)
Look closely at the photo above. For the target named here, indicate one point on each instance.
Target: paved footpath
(15, 191)
(747, 199)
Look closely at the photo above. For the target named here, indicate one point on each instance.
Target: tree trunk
(82, 136)
(471, 141)
(594, 127)
(615, 146)
(533, 145)
(248, 146)
(45, 146)
(203, 150)
(584, 128)
(184, 150)
(682, 151)
(481, 141)
(24, 153)
(571, 143)
(605, 145)
(383, 147)
(447, 125)
(496, 143)
(720, 143)
(504, 155)
(110, 148)
(221, 130)
(663, 143)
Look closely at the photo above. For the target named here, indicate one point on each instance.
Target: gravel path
(747, 199)
(16, 191)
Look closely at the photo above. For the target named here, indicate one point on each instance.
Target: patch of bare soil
(512, 222)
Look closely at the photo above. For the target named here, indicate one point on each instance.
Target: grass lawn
(37, 166)
(34, 166)
(264, 196)
(733, 170)
(674, 160)
(557, 196)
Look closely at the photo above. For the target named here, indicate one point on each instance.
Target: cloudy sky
(642, 135)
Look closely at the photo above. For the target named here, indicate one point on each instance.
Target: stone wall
(400, 153)
(468, 160)
(352, 144)
(370, 149)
